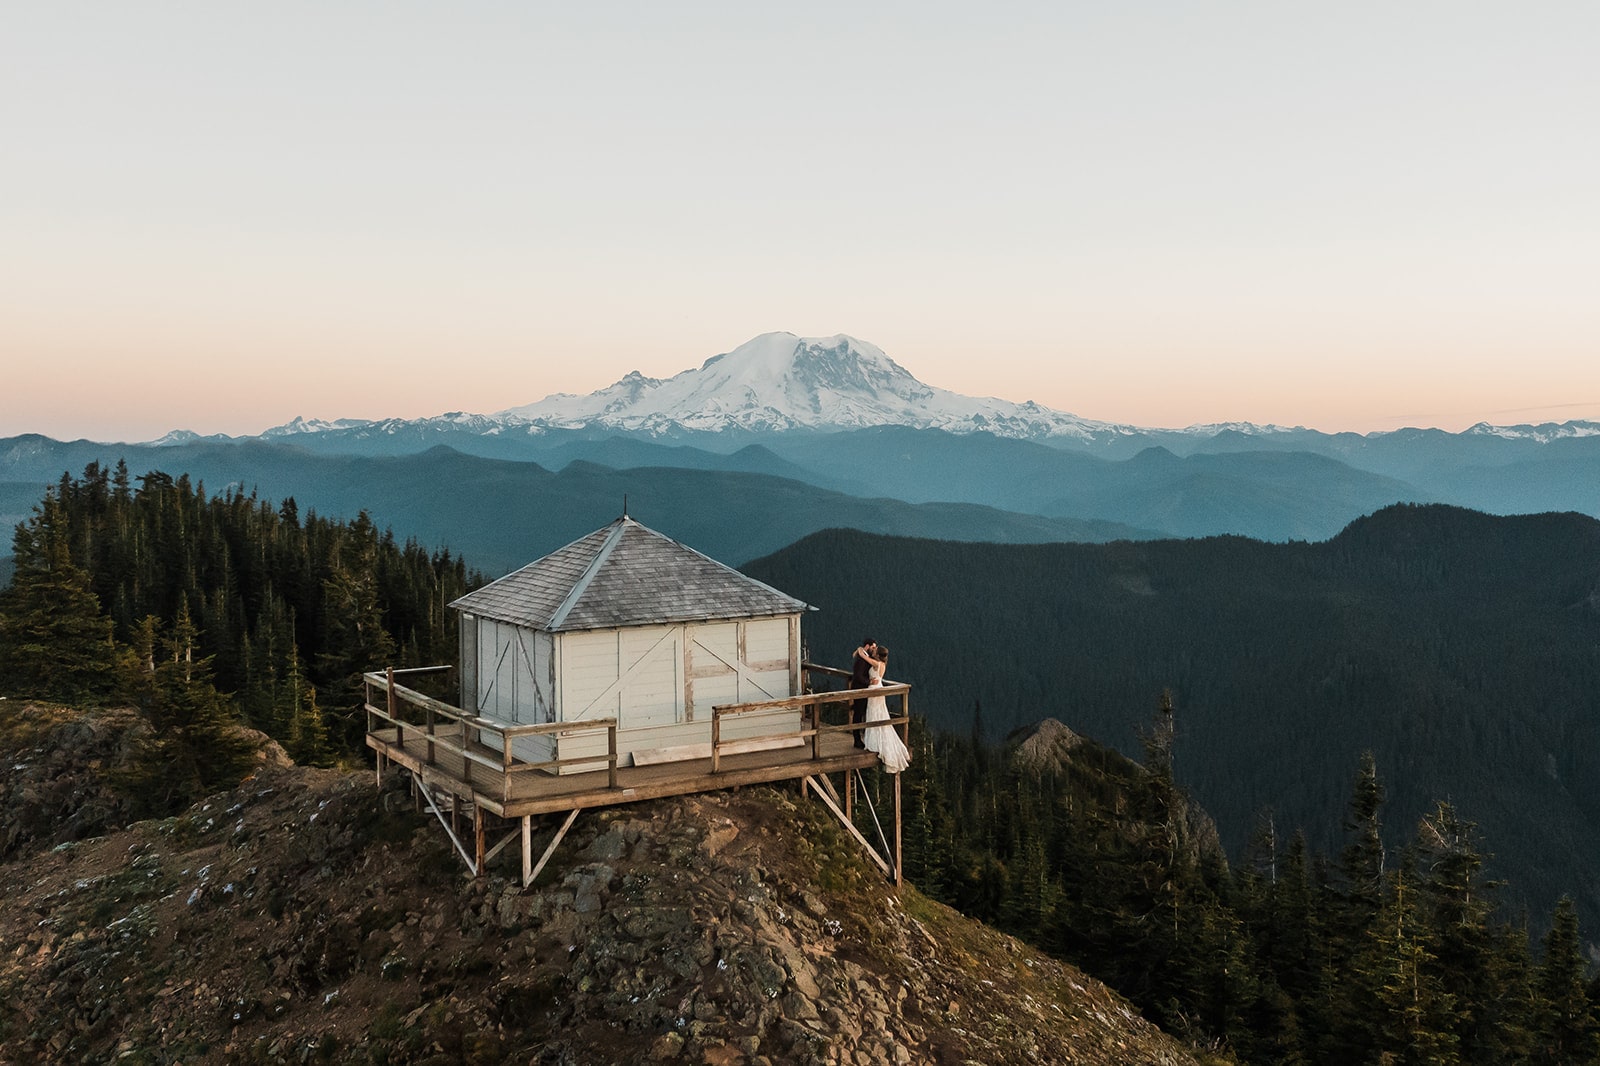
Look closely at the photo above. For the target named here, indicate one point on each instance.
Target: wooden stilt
(551, 850)
(897, 837)
(451, 833)
(499, 847)
(849, 796)
(821, 781)
(853, 831)
(478, 835)
(527, 850)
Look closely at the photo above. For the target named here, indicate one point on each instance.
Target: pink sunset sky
(1352, 218)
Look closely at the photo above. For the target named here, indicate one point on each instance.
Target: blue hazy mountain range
(843, 436)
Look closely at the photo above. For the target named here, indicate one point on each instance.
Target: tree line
(1462, 649)
(212, 611)
(1291, 956)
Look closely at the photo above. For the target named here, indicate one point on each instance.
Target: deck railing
(811, 703)
(402, 707)
(409, 711)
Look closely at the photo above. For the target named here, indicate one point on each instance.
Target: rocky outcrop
(312, 916)
(1044, 747)
(54, 780)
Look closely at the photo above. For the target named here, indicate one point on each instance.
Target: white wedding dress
(884, 739)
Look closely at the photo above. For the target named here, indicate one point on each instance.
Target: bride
(883, 739)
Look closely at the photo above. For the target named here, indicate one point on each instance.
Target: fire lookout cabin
(624, 666)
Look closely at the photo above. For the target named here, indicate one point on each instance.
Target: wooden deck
(445, 751)
(517, 795)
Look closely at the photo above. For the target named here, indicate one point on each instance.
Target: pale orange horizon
(1351, 220)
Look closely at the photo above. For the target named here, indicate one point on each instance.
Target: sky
(1354, 216)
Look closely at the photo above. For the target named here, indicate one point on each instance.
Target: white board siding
(510, 674)
(510, 682)
(652, 662)
(588, 669)
(660, 682)
(468, 677)
(767, 640)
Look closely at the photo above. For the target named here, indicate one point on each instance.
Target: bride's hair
(883, 654)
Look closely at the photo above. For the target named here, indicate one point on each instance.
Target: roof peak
(625, 574)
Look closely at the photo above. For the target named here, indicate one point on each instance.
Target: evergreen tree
(194, 746)
(54, 641)
(1565, 1026)
(354, 638)
(1412, 1019)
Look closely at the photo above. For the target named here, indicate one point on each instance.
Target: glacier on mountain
(779, 381)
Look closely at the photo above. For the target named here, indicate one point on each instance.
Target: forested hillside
(205, 611)
(503, 514)
(1359, 954)
(1463, 650)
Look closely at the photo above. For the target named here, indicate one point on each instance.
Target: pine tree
(354, 637)
(54, 641)
(194, 746)
(1456, 904)
(1565, 1026)
(1345, 1024)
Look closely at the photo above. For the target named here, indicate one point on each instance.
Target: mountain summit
(779, 381)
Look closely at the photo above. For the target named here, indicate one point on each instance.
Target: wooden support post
(849, 795)
(716, 741)
(527, 850)
(478, 829)
(611, 746)
(814, 712)
(897, 838)
(399, 728)
(850, 828)
(430, 734)
(551, 850)
(455, 812)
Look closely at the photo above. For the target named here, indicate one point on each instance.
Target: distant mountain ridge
(782, 383)
(838, 414)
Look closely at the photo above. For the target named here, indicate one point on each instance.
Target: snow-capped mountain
(779, 381)
(313, 425)
(1543, 433)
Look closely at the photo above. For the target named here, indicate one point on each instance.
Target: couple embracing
(866, 671)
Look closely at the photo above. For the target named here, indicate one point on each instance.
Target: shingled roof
(624, 575)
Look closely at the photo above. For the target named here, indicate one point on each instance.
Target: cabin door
(634, 675)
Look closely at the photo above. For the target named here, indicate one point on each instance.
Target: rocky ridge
(310, 916)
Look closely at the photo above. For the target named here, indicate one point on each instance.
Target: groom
(861, 677)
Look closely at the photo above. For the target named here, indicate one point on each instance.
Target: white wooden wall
(661, 682)
(633, 675)
(514, 680)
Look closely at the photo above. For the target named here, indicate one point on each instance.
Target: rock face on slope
(310, 916)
